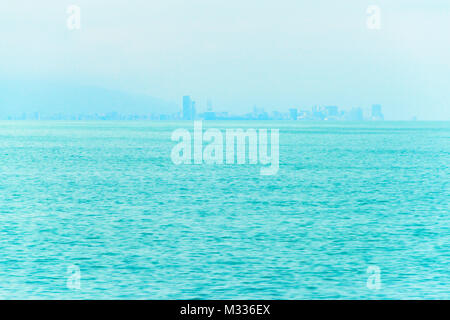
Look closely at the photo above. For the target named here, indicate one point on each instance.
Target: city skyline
(188, 111)
(95, 103)
(272, 54)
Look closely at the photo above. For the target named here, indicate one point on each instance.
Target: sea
(98, 210)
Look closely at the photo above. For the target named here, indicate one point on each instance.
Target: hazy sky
(271, 53)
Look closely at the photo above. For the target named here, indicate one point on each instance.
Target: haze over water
(106, 197)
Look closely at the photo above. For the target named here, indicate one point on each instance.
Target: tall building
(193, 112)
(208, 105)
(187, 111)
(293, 113)
(376, 112)
(317, 113)
(258, 114)
(332, 111)
(209, 114)
(356, 114)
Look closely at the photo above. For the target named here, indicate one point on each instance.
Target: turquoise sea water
(105, 196)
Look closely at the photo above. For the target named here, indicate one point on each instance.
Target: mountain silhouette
(45, 98)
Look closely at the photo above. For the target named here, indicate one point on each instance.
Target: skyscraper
(209, 105)
(376, 112)
(332, 111)
(209, 114)
(193, 112)
(293, 113)
(187, 108)
(356, 114)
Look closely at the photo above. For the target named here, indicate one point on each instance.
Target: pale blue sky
(272, 53)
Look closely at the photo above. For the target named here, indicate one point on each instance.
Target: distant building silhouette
(293, 113)
(376, 112)
(208, 105)
(356, 114)
(209, 115)
(187, 104)
(189, 112)
(332, 111)
(317, 114)
(193, 111)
